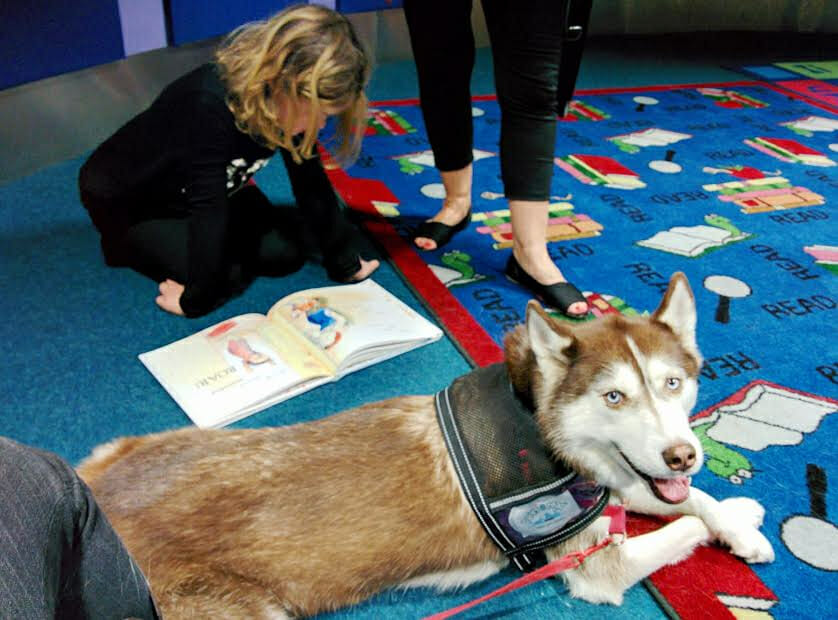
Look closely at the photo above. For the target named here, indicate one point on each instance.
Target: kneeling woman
(170, 192)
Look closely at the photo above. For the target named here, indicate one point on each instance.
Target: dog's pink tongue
(674, 490)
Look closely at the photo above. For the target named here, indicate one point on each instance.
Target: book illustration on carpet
(790, 151)
(825, 256)
(387, 123)
(694, 241)
(583, 111)
(763, 414)
(414, 163)
(562, 224)
(764, 193)
(759, 415)
(252, 361)
(808, 125)
(599, 170)
(731, 99)
(633, 142)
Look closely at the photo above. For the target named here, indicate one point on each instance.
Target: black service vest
(524, 498)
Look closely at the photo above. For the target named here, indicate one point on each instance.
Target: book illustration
(695, 241)
(414, 163)
(789, 151)
(387, 123)
(456, 269)
(825, 255)
(249, 357)
(761, 194)
(742, 172)
(808, 125)
(252, 361)
(758, 416)
(599, 170)
(727, 288)
(811, 537)
(582, 111)
(321, 324)
(562, 225)
(653, 136)
(731, 99)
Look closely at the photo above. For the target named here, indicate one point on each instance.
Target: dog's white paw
(745, 510)
(741, 518)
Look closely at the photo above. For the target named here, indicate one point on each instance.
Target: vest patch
(522, 496)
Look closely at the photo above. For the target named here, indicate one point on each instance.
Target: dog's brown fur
(306, 518)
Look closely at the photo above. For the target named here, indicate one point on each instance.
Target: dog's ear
(548, 338)
(677, 311)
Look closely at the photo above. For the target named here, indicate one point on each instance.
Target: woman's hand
(169, 297)
(367, 267)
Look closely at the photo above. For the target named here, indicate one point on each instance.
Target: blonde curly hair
(305, 54)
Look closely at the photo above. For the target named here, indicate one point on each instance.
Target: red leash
(567, 562)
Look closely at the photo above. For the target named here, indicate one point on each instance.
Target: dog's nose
(680, 457)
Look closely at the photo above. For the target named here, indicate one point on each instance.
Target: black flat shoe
(561, 295)
(440, 233)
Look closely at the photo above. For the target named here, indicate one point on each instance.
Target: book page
(232, 366)
(711, 233)
(354, 323)
(678, 243)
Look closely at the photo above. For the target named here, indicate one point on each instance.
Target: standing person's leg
(443, 50)
(526, 49)
(59, 556)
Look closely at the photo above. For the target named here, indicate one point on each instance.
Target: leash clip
(577, 558)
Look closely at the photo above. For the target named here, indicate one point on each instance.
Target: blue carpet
(735, 185)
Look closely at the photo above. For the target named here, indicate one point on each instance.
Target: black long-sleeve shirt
(183, 156)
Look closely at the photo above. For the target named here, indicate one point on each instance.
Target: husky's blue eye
(614, 397)
(673, 383)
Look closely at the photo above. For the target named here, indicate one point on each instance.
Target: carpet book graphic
(733, 184)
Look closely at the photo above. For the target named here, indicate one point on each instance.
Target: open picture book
(252, 361)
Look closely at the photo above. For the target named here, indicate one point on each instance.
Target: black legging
(265, 240)
(526, 39)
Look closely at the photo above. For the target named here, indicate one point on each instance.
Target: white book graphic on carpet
(768, 416)
(692, 241)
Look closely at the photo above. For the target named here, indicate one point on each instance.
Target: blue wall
(41, 38)
(192, 20)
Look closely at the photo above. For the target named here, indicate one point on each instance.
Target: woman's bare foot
(538, 264)
(453, 211)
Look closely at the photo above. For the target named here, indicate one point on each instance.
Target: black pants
(265, 240)
(526, 38)
(59, 556)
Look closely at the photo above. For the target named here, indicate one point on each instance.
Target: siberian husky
(292, 521)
